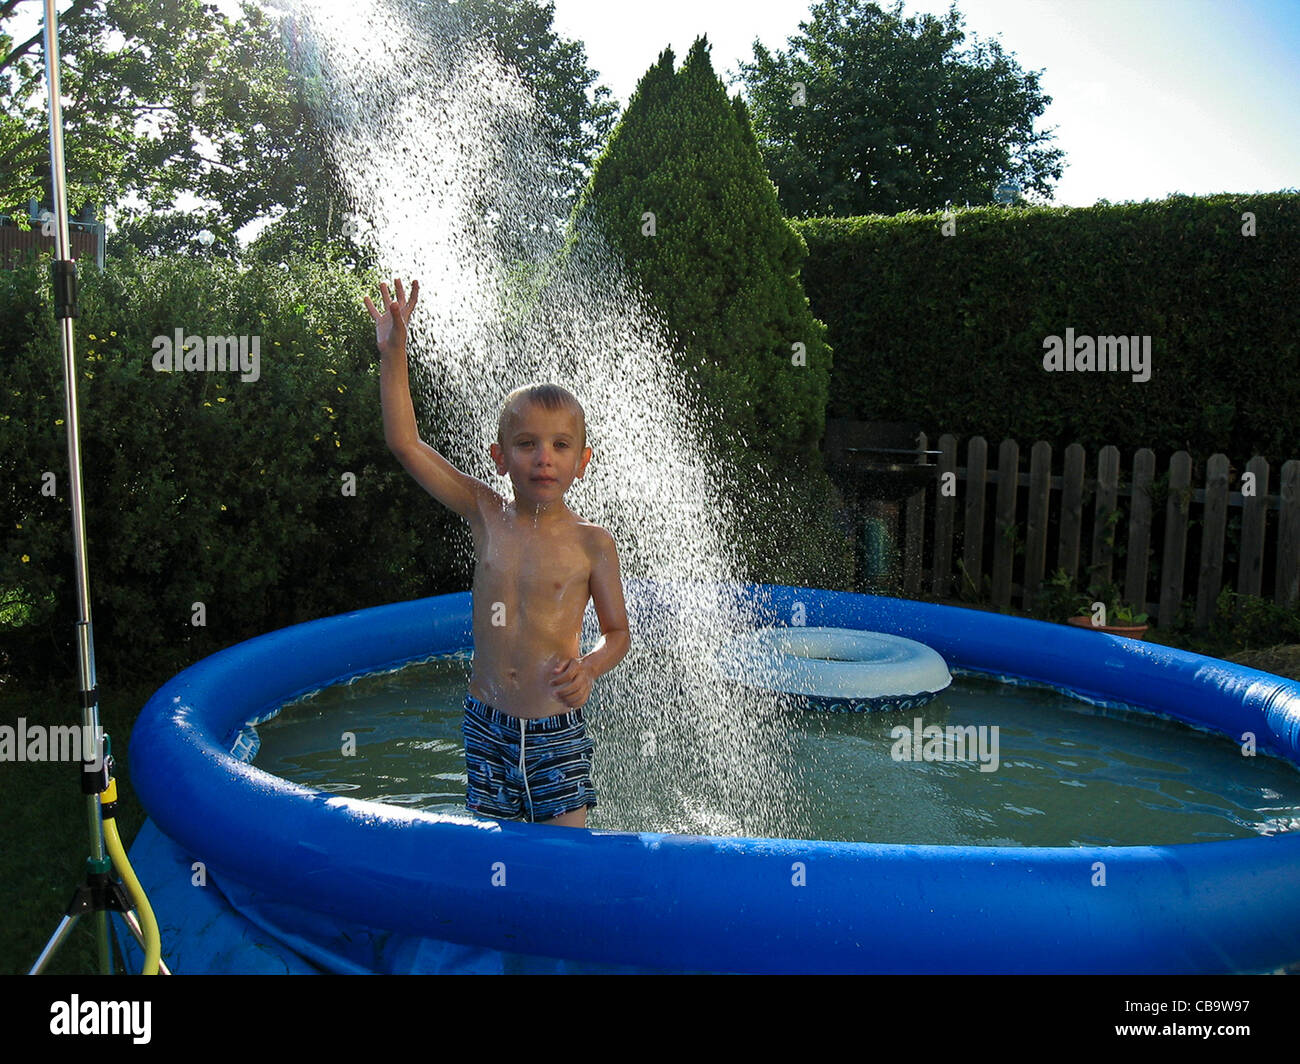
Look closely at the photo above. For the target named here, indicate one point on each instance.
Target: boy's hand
(390, 327)
(573, 682)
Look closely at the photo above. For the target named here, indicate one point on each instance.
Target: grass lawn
(44, 836)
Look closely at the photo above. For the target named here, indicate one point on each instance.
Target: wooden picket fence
(997, 521)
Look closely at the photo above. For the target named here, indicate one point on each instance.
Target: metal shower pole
(63, 273)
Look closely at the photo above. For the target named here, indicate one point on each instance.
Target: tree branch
(17, 53)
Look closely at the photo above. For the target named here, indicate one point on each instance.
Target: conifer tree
(680, 190)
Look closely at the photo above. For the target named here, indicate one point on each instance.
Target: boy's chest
(514, 563)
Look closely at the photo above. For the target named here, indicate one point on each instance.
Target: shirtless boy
(537, 563)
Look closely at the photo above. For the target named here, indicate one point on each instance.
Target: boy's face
(542, 453)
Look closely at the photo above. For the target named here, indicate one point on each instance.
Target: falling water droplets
(452, 183)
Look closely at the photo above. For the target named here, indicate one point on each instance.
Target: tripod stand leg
(56, 940)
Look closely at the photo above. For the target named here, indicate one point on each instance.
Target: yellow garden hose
(149, 925)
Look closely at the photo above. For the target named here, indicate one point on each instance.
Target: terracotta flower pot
(1131, 631)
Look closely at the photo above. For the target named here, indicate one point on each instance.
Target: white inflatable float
(837, 669)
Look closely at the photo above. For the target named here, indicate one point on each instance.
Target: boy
(537, 563)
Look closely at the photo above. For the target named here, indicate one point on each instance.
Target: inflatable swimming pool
(347, 885)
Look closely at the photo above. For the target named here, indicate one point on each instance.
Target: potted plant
(1103, 609)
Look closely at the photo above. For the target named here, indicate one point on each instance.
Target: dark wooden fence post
(914, 533)
(1071, 510)
(1287, 591)
(1104, 516)
(1254, 525)
(1004, 522)
(1175, 553)
(973, 541)
(1137, 563)
(945, 511)
(1040, 489)
(1214, 522)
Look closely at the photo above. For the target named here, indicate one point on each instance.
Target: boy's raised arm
(442, 480)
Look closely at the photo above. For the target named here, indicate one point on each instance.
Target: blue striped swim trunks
(526, 769)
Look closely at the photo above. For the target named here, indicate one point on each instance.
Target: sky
(1149, 97)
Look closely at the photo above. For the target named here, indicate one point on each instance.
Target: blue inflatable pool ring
(301, 880)
(839, 670)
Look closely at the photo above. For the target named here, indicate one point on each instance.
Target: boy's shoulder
(592, 534)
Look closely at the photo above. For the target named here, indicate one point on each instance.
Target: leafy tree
(718, 258)
(170, 97)
(120, 97)
(868, 112)
(578, 113)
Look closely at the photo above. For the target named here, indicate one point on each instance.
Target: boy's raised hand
(390, 326)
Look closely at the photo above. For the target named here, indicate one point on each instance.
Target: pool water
(985, 763)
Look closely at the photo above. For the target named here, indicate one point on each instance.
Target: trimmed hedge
(949, 331)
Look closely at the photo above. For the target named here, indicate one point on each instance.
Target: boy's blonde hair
(548, 397)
